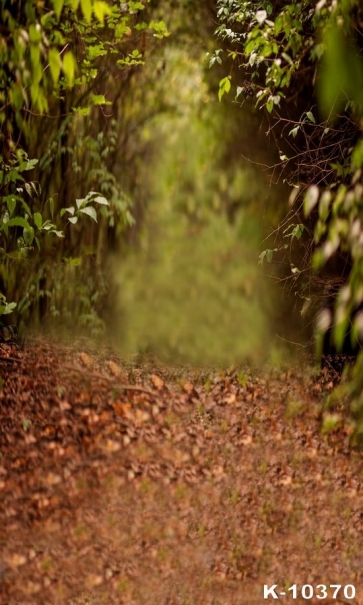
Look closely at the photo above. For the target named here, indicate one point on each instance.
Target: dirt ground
(130, 483)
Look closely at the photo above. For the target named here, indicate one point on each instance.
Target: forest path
(190, 489)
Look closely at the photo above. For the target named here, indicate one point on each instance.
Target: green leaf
(34, 186)
(35, 34)
(28, 235)
(311, 199)
(90, 211)
(294, 131)
(266, 255)
(261, 258)
(58, 5)
(7, 308)
(238, 91)
(318, 259)
(100, 200)
(261, 15)
(99, 100)
(101, 10)
(297, 231)
(36, 61)
(357, 155)
(11, 203)
(339, 331)
(270, 105)
(69, 67)
(324, 205)
(38, 220)
(310, 117)
(81, 201)
(73, 219)
(29, 165)
(82, 111)
(28, 189)
(330, 246)
(224, 87)
(26, 207)
(227, 84)
(86, 7)
(10, 307)
(54, 64)
(287, 58)
(71, 210)
(135, 6)
(18, 221)
(47, 226)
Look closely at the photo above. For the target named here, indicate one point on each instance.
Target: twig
(9, 359)
(291, 342)
(112, 381)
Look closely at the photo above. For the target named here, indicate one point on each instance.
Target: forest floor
(136, 484)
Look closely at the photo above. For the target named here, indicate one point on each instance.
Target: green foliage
(339, 228)
(292, 232)
(21, 224)
(5, 307)
(53, 63)
(82, 207)
(277, 43)
(41, 52)
(224, 86)
(310, 54)
(16, 212)
(278, 40)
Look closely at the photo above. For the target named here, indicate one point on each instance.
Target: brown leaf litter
(129, 483)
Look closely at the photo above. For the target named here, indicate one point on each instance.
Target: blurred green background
(191, 288)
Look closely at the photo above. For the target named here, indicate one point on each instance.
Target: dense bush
(302, 64)
(65, 68)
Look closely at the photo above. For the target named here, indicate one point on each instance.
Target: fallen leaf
(286, 480)
(112, 446)
(230, 399)
(53, 479)
(87, 360)
(17, 560)
(157, 381)
(114, 368)
(94, 580)
(121, 409)
(246, 440)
